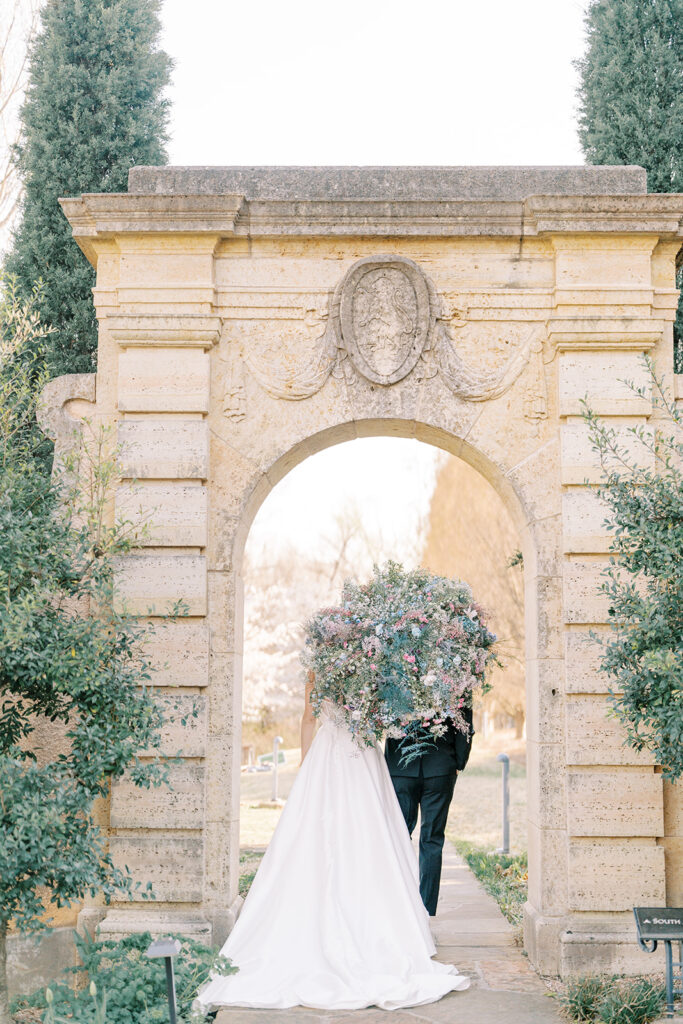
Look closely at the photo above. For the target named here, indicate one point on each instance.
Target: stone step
(119, 923)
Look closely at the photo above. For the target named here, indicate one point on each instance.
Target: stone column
(162, 365)
(614, 799)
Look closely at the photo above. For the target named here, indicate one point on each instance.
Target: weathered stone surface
(546, 795)
(673, 808)
(537, 479)
(545, 700)
(600, 377)
(179, 653)
(184, 730)
(55, 408)
(34, 962)
(165, 514)
(583, 517)
(196, 219)
(544, 596)
(594, 269)
(159, 923)
(605, 947)
(673, 857)
(595, 737)
(178, 805)
(547, 854)
(164, 449)
(615, 874)
(164, 380)
(583, 601)
(172, 863)
(225, 629)
(547, 541)
(580, 463)
(153, 584)
(326, 183)
(582, 662)
(614, 803)
(166, 329)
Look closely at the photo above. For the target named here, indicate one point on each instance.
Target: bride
(334, 918)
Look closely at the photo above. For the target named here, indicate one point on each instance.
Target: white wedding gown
(334, 918)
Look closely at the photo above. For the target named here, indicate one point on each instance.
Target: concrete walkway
(471, 933)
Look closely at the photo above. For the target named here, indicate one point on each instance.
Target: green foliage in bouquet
(401, 654)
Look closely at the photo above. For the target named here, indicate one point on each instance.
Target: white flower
(415, 630)
(355, 715)
(457, 659)
(471, 613)
(378, 630)
(439, 662)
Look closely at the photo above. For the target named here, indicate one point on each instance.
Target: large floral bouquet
(401, 654)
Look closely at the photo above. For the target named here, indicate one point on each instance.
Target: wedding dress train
(334, 918)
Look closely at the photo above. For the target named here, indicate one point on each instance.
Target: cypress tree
(94, 106)
(631, 95)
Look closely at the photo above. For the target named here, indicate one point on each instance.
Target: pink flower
(374, 668)
(409, 657)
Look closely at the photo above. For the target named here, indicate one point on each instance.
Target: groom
(427, 783)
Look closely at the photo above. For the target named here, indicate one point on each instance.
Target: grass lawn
(475, 815)
(249, 862)
(476, 811)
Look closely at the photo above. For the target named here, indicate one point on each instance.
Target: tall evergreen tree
(631, 91)
(94, 106)
(631, 95)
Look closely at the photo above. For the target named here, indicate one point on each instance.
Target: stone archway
(250, 317)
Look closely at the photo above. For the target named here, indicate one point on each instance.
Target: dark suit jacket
(448, 756)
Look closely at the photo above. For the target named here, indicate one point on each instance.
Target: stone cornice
(164, 331)
(104, 216)
(657, 214)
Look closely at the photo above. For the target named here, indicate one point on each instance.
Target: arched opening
(317, 521)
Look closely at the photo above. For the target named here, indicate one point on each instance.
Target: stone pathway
(471, 932)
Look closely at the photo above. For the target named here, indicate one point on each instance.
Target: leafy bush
(504, 876)
(642, 489)
(612, 1000)
(635, 1001)
(131, 986)
(580, 999)
(72, 661)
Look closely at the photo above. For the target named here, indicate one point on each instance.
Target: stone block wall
(225, 358)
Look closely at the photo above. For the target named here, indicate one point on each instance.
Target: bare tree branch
(18, 24)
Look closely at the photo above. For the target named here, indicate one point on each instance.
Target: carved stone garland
(384, 321)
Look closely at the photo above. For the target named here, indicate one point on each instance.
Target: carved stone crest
(383, 321)
(385, 317)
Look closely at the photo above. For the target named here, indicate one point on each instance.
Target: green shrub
(580, 999)
(634, 1001)
(612, 1000)
(132, 987)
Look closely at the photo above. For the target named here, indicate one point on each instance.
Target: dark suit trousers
(433, 798)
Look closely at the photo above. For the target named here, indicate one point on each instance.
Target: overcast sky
(370, 82)
(374, 81)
